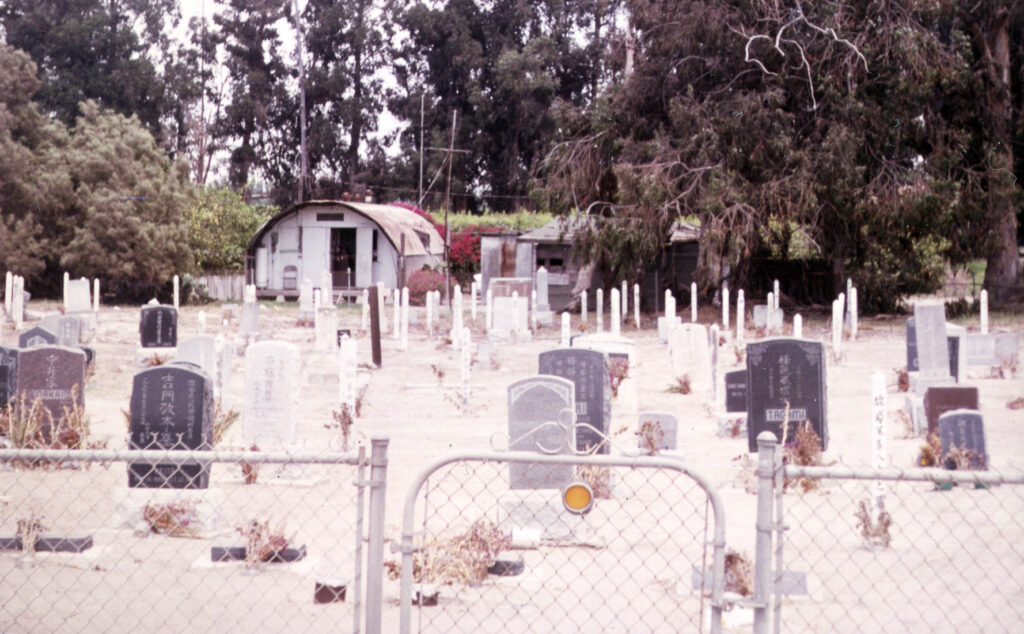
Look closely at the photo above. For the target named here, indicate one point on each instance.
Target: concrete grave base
(732, 425)
(144, 357)
(129, 505)
(543, 511)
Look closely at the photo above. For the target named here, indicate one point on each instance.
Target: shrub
(422, 281)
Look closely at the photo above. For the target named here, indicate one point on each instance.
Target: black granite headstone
(736, 391)
(37, 336)
(171, 408)
(786, 372)
(158, 327)
(912, 362)
(8, 374)
(953, 344)
(52, 374)
(588, 370)
(964, 429)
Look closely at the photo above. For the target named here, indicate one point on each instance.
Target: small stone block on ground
(237, 553)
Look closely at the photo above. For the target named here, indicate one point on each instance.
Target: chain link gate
(649, 556)
(947, 556)
(213, 559)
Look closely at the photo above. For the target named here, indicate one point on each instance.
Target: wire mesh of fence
(260, 548)
(940, 551)
(506, 559)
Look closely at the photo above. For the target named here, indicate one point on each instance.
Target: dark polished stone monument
(786, 374)
(588, 370)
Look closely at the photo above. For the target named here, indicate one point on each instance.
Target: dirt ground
(413, 400)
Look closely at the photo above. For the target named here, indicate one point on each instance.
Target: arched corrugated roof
(394, 222)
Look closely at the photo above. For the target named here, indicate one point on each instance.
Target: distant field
(523, 220)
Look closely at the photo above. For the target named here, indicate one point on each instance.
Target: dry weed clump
(1016, 404)
(262, 544)
(222, 421)
(962, 459)
(599, 479)
(31, 426)
(681, 386)
(874, 533)
(618, 370)
(739, 574)
(342, 421)
(250, 471)
(902, 379)
(931, 451)
(175, 519)
(29, 529)
(463, 559)
(651, 435)
(805, 451)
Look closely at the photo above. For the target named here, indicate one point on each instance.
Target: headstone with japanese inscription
(8, 374)
(38, 336)
(171, 409)
(939, 400)
(69, 330)
(786, 383)
(588, 370)
(158, 326)
(736, 391)
(272, 382)
(962, 435)
(541, 412)
(54, 375)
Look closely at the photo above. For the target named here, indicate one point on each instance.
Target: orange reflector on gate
(578, 497)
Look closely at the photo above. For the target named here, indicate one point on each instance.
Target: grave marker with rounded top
(786, 381)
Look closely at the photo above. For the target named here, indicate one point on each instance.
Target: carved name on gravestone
(272, 375)
(37, 336)
(171, 408)
(56, 376)
(540, 416)
(965, 430)
(649, 423)
(736, 391)
(588, 370)
(158, 327)
(781, 372)
(939, 400)
(8, 374)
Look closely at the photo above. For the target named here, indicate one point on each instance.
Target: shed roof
(562, 230)
(394, 221)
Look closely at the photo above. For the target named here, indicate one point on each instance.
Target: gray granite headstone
(78, 296)
(158, 326)
(1007, 348)
(201, 351)
(932, 346)
(669, 425)
(785, 371)
(37, 336)
(69, 330)
(540, 415)
(736, 391)
(588, 370)
(56, 376)
(980, 349)
(171, 408)
(963, 429)
(8, 374)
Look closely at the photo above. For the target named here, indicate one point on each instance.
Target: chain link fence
(939, 551)
(276, 542)
(648, 556)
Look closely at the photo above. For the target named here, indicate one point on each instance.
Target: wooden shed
(359, 243)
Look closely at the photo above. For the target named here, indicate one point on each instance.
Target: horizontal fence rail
(649, 556)
(275, 542)
(889, 550)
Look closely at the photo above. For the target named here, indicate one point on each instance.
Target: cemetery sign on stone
(172, 409)
(786, 382)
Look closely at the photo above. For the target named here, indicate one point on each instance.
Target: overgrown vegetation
(463, 559)
(174, 519)
(804, 451)
(651, 436)
(262, 544)
(875, 531)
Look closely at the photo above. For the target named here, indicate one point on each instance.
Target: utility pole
(420, 196)
(447, 207)
(303, 148)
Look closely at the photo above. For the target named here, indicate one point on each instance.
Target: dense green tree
(104, 50)
(221, 224)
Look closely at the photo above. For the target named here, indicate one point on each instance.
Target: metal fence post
(766, 448)
(375, 530)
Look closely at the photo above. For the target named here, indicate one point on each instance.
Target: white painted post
(770, 313)
(533, 313)
(615, 312)
(202, 322)
(428, 306)
(396, 297)
(775, 289)
(405, 318)
(714, 363)
(837, 326)
(879, 448)
(693, 302)
(316, 300)
(625, 300)
(326, 288)
(984, 312)
(472, 301)
(853, 313)
(515, 313)
(668, 304)
(466, 358)
(599, 310)
(177, 290)
(741, 311)
(347, 372)
(96, 295)
(364, 322)
(489, 310)
(725, 307)
(798, 326)
(583, 307)
(565, 330)
(636, 305)
(456, 307)
(380, 307)
(8, 291)
(67, 278)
